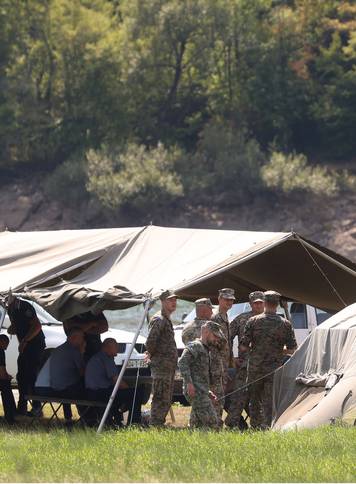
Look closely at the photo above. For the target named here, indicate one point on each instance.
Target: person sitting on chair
(66, 369)
(101, 374)
(66, 366)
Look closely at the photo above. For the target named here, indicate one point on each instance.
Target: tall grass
(323, 455)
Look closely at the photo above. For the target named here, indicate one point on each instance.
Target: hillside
(25, 207)
(232, 114)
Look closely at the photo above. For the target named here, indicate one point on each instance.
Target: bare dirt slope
(332, 223)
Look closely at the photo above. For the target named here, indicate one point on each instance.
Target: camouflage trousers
(238, 400)
(218, 388)
(261, 402)
(162, 389)
(203, 414)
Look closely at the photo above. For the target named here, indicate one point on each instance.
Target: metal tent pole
(121, 374)
(3, 316)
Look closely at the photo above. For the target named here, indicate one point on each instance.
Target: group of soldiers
(213, 380)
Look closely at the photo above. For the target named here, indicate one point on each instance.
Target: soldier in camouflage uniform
(265, 336)
(204, 310)
(239, 400)
(194, 365)
(162, 354)
(221, 355)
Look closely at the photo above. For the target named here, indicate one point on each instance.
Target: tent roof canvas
(71, 271)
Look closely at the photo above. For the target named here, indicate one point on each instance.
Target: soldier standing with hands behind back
(239, 400)
(264, 337)
(162, 354)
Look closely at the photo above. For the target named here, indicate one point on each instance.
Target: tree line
(138, 99)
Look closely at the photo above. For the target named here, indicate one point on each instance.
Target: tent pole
(3, 316)
(119, 379)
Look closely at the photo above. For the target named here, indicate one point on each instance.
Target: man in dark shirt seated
(101, 374)
(7, 396)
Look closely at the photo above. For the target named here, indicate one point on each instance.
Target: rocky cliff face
(332, 223)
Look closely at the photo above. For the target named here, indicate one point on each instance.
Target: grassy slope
(326, 454)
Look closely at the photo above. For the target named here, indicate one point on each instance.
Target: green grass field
(324, 455)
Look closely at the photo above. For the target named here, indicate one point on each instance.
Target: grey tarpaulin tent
(71, 271)
(318, 384)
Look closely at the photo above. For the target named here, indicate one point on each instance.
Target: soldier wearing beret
(203, 310)
(264, 337)
(162, 354)
(221, 355)
(194, 366)
(239, 400)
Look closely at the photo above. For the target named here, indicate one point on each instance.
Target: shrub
(67, 182)
(291, 173)
(135, 177)
(226, 164)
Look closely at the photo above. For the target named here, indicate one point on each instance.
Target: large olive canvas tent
(72, 271)
(318, 384)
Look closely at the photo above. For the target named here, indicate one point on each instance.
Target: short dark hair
(108, 341)
(4, 338)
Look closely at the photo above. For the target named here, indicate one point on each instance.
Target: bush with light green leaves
(135, 176)
(291, 173)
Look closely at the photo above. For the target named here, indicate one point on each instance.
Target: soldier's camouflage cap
(272, 296)
(215, 328)
(227, 293)
(204, 301)
(167, 294)
(256, 296)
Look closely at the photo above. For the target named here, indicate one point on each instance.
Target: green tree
(334, 81)
(7, 111)
(166, 49)
(64, 77)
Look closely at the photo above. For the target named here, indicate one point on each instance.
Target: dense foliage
(191, 94)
